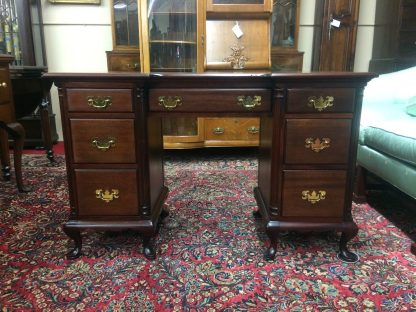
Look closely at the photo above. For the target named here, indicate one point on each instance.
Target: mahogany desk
(114, 148)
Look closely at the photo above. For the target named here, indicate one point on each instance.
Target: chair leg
(4, 153)
(18, 135)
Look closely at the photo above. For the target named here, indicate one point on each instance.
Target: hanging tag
(335, 23)
(237, 31)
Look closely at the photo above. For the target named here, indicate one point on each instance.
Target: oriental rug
(209, 250)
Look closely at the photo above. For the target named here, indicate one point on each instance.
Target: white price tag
(335, 23)
(237, 31)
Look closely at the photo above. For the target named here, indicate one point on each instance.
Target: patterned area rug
(209, 251)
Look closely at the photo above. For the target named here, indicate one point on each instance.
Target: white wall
(77, 36)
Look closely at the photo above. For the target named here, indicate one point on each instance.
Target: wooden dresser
(112, 126)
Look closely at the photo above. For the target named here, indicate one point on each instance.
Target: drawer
(317, 141)
(99, 100)
(232, 128)
(313, 193)
(210, 100)
(321, 100)
(103, 140)
(106, 192)
(119, 61)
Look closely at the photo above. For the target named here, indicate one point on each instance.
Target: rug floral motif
(209, 251)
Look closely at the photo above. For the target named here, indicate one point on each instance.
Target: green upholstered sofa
(387, 141)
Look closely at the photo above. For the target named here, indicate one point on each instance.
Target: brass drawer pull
(320, 103)
(248, 101)
(99, 102)
(135, 66)
(253, 130)
(170, 102)
(317, 144)
(107, 195)
(313, 196)
(218, 130)
(104, 144)
(3, 85)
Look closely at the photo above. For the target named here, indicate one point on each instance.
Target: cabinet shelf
(173, 42)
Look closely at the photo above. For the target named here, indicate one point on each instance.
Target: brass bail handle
(107, 195)
(321, 103)
(170, 102)
(103, 144)
(313, 196)
(249, 102)
(99, 102)
(317, 144)
(3, 84)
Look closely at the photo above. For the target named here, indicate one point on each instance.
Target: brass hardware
(253, 130)
(107, 195)
(317, 144)
(237, 59)
(104, 144)
(134, 66)
(170, 102)
(218, 130)
(99, 102)
(248, 101)
(3, 85)
(320, 103)
(313, 196)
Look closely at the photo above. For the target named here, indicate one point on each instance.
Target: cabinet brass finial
(237, 59)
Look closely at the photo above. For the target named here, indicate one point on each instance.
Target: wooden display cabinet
(125, 55)
(197, 36)
(284, 36)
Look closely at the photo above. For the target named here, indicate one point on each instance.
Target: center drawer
(231, 128)
(103, 140)
(210, 100)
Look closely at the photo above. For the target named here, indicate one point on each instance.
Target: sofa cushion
(387, 141)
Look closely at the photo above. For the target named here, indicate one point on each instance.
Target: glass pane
(172, 35)
(283, 23)
(177, 126)
(238, 1)
(9, 31)
(126, 23)
(37, 33)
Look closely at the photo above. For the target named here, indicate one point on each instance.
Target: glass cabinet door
(125, 23)
(173, 34)
(236, 6)
(284, 36)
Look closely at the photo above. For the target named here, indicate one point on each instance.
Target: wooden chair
(17, 133)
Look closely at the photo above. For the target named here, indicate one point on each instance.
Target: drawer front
(100, 100)
(107, 192)
(232, 128)
(4, 86)
(325, 100)
(317, 141)
(124, 62)
(103, 140)
(210, 100)
(313, 193)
